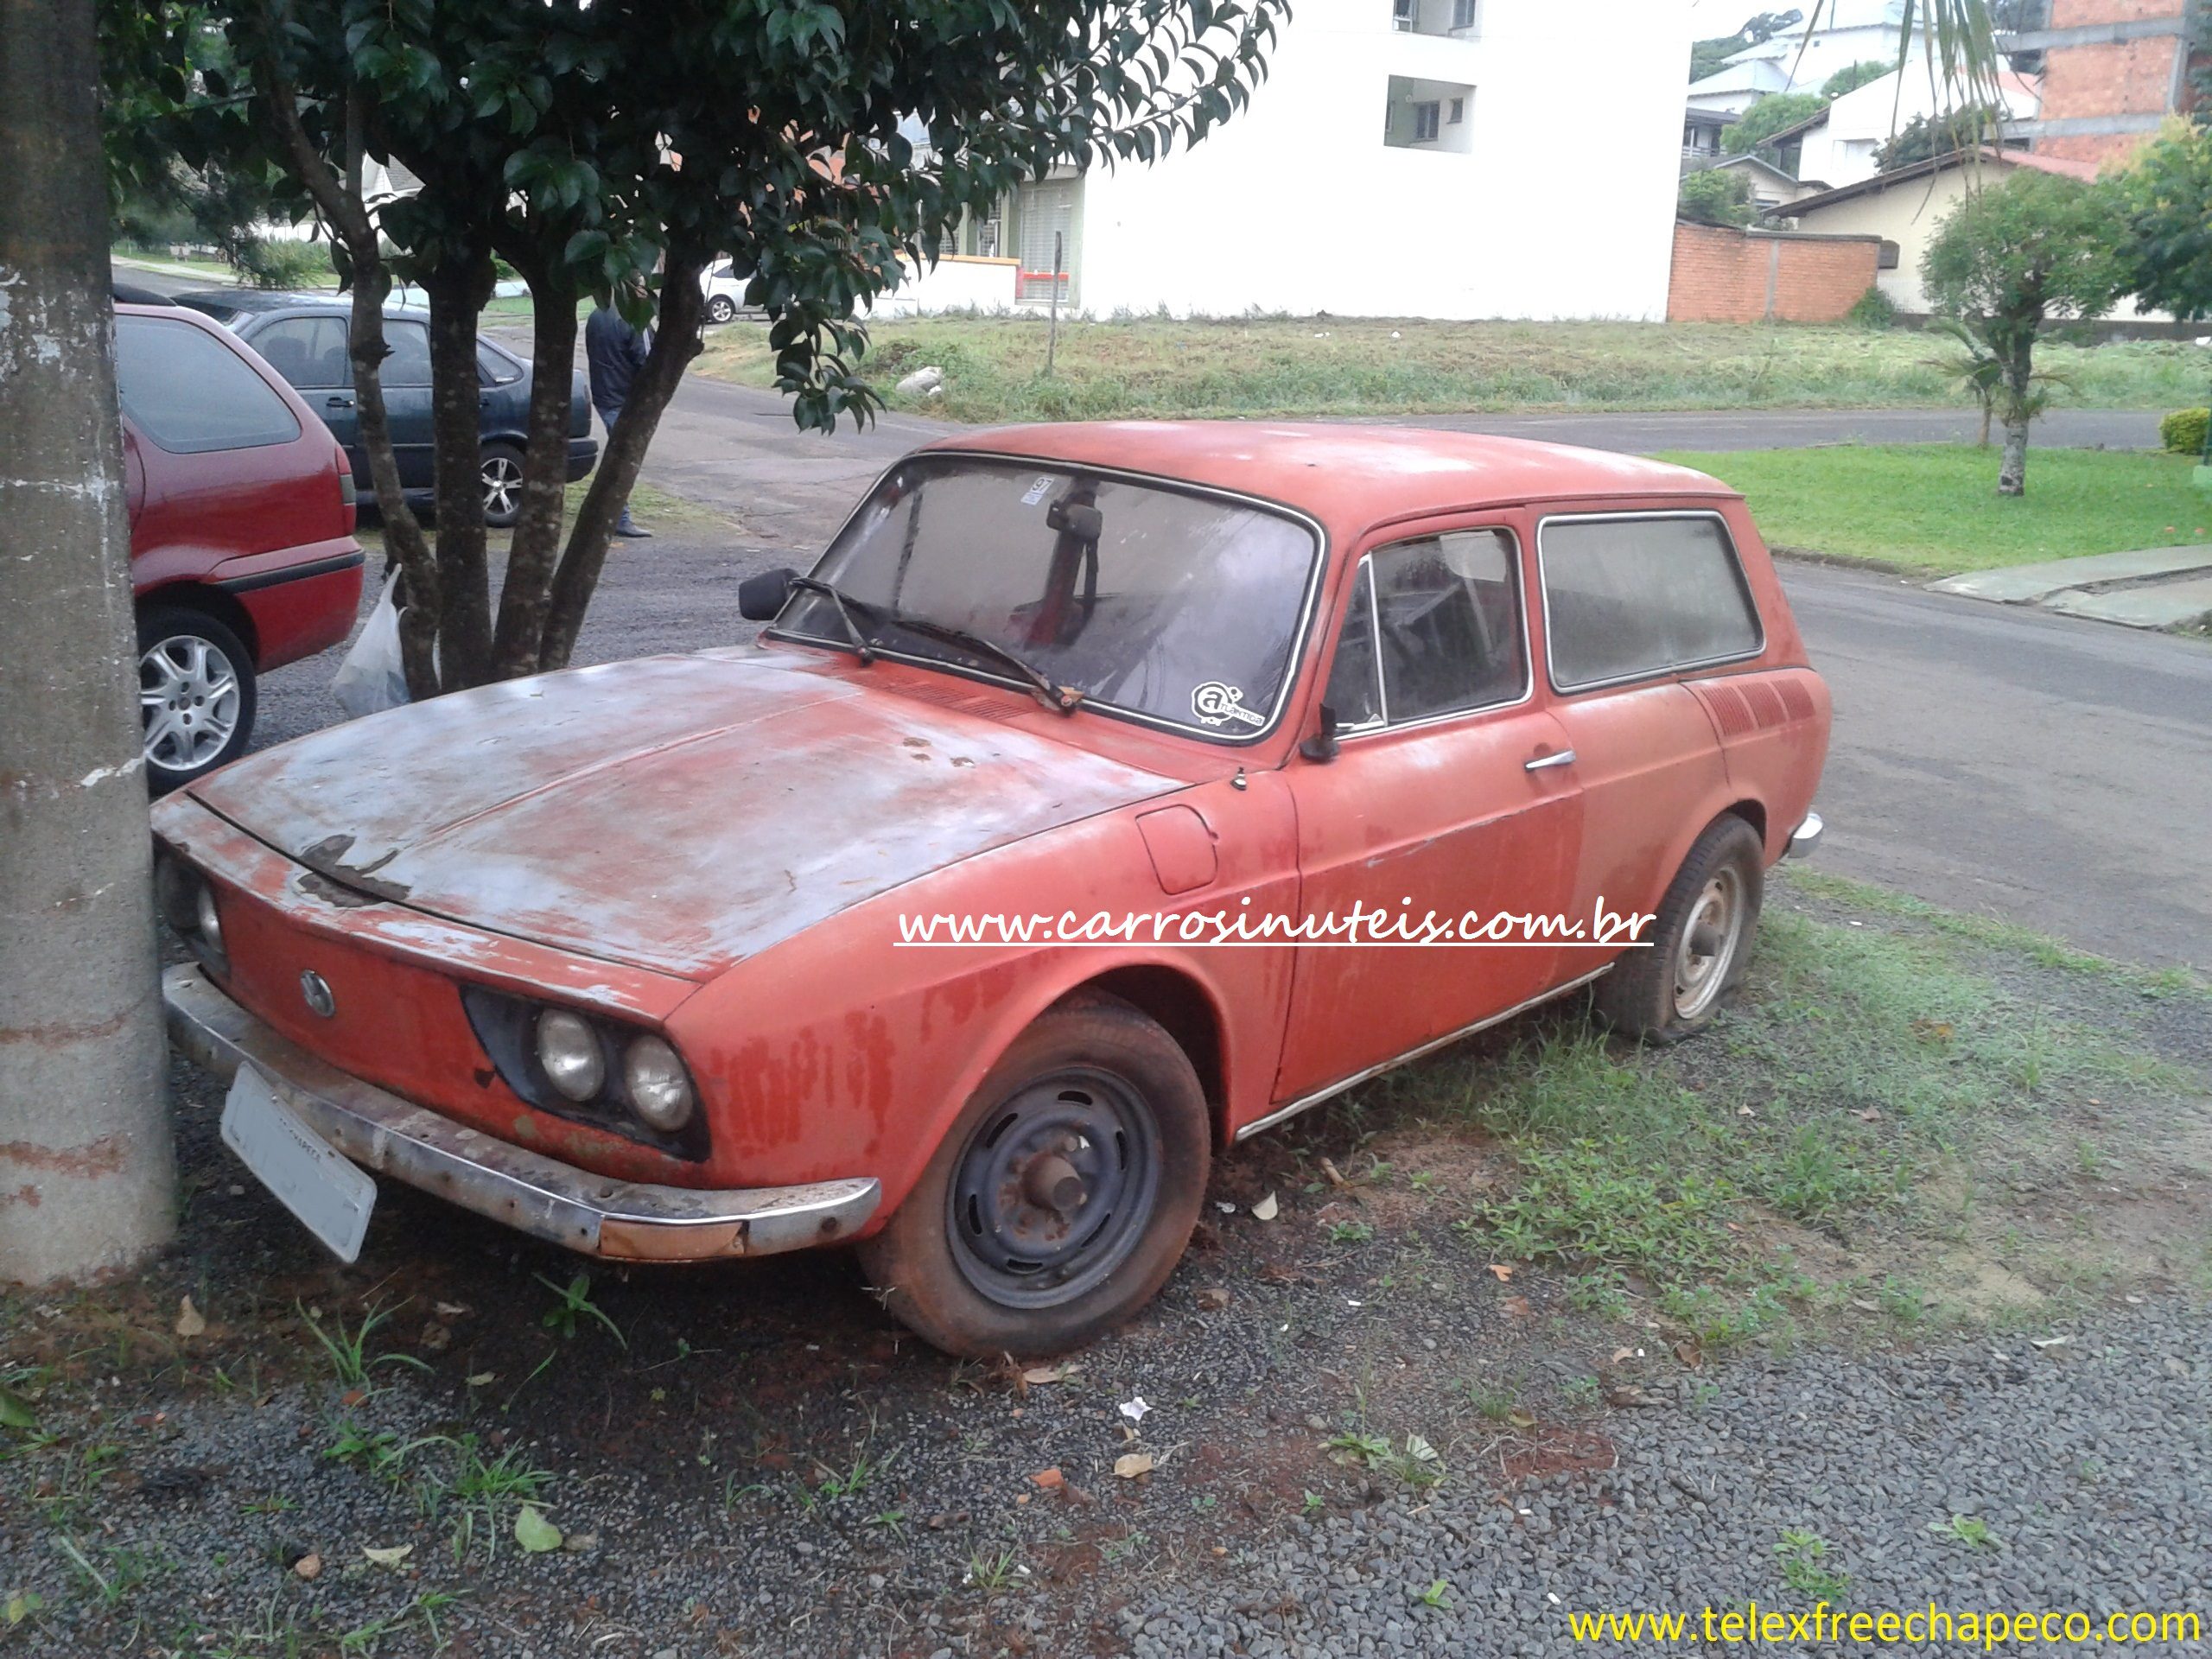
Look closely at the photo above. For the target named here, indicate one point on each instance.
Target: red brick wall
(2129, 78)
(1725, 275)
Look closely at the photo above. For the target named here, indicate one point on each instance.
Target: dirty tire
(993, 1253)
(196, 691)
(1701, 942)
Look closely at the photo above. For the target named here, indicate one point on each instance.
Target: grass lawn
(1157, 368)
(1933, 509)
(1908, 1112)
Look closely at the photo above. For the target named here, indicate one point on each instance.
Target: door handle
(1546, 762)
(337, 403)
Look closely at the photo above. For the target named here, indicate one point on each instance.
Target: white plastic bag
(371, 676)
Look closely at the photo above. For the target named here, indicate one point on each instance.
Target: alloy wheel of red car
(194, 694)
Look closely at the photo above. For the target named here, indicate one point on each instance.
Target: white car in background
(725, 289)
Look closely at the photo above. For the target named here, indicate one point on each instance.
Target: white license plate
(330, 1194)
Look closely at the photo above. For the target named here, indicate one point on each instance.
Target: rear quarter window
(1630, 595)
(190, 393)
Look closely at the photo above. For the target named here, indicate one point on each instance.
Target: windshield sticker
(1038, 491)
(1217, 704)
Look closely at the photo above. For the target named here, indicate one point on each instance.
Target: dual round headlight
(574, 1056)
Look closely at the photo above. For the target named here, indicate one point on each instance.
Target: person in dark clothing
(615, 351)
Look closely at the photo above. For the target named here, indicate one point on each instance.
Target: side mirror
(1322, 745)
(758, 598)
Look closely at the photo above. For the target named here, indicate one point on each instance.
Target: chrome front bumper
(528, 1190)
(1806, 836)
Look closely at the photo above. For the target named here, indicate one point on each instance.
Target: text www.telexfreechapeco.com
(1363, 927)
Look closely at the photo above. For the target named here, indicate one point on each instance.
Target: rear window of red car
(188, 392)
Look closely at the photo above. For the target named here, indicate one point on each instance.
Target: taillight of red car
(349, 507)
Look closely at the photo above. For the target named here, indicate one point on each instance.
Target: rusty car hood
(676, 813)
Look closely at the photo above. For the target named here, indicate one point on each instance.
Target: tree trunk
(2012, 471)
(2019, 411)
(458, 289)
(675, 343)
(86, 1174)
(536, 542)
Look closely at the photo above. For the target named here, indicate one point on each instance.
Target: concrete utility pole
(86, 1176)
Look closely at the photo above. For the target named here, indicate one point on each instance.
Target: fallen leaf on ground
(307, 1566)
(1050, 1480)
(1521, 1419)
(1502, 1270)
(1130, 1465)
(1620, 1354)
(436, 1337)
(1265, 1209)
(450, 1309)
(391, 1557)
(1871, 1114)
(1213, 1299)
(1039, 1376)
(534, 1532)
(1517, 1307)
(1690, 1354)
(482, 1379)
(189, 1321)
(15, 1411)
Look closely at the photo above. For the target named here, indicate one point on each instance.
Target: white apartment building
(1415, 158)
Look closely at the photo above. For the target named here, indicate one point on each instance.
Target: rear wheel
(195, 694)
(721, 309)
(1700, 943)
(1062, 1197)
(502, 472)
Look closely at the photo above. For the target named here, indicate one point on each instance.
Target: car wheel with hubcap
(501, 465)
(1062, 1197)
(1701, 943)
(721, 309)
(195, 694)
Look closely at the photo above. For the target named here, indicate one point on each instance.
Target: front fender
(843, 1049)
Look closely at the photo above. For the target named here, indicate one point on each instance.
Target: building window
(1888, 257)
(1429, 115)
(1463, 14)
(1405, 15)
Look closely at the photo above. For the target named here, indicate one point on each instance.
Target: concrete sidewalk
(2157, 587)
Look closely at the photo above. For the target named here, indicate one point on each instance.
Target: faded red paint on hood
(679, 813)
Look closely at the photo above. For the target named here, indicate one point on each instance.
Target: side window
(306, 351)
(190, 393)
(1355, 694)
(409, 362)
(493, 369)
(1443, 636)
(1629, 596)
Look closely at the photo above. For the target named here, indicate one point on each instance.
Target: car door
(1443, 797)
(406, 379)
(1632, 602)
(310, 353)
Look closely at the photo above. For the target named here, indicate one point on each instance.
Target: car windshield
(1177, 608)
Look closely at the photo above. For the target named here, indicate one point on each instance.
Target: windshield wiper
(844, 604)
(1065, 699)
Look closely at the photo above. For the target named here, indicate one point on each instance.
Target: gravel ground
(2089, 1462)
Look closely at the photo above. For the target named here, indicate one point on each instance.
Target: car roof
(1348, 476)
(261, 301)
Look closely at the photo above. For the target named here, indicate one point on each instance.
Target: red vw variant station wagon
(1105, 795)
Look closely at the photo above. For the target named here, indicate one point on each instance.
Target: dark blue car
(302, 337)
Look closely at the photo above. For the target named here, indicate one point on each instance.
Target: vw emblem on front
(316, 989)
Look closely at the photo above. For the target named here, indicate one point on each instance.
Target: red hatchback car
(242, 548)
(1106, 795)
